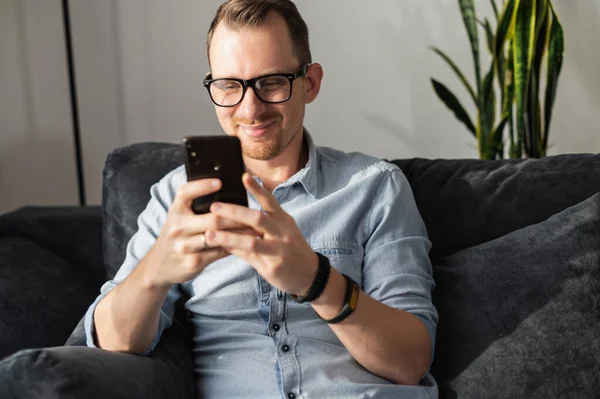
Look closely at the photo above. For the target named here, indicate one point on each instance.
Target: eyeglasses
(273, 89)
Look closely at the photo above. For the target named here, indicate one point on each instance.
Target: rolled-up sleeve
(396, 267)
(150, 223)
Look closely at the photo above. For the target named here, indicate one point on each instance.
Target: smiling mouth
(256, 130)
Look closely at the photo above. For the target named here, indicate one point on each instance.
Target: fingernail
(216, 206)
(214, 183)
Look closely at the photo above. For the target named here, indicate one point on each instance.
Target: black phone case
(216, 157)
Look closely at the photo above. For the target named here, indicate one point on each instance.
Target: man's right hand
(179, 253)
(127, 318)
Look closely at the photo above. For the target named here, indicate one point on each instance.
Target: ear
(312, 82)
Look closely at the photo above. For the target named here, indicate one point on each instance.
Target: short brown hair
(238, 14)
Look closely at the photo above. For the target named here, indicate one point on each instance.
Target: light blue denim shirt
(249, 342)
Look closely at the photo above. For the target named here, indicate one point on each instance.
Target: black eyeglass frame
(252, 83)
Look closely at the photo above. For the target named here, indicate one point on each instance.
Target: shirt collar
(309, 175)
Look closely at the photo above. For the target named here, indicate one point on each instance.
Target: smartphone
(216, 157)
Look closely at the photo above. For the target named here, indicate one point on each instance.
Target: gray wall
(37, 165)
(140, 64)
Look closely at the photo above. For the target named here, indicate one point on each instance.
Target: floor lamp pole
(74, 108)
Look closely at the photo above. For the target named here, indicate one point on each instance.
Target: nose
(251, 105)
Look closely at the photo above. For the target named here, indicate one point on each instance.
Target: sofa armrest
(82, 372)
(70, 232)
(42, 296)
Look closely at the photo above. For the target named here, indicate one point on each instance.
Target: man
(321, 288)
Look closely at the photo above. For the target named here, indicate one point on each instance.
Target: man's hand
(181, 250)
(278, 251)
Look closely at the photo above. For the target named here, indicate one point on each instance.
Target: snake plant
(527, 31)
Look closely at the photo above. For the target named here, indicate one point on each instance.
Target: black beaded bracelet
(319, 283)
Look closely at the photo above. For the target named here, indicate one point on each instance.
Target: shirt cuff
(90, 328)
(431, 330)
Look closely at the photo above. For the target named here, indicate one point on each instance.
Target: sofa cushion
(520, 315)
(82, 372)
(129, 173)
(41, 293)
(466, 202)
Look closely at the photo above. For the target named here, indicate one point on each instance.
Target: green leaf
(453, 104)
(509, 96)
(496, 137)
(534, 141)
(542, 19)
(541, 40)
(556, 48)
(523, 48)
(489, 35)
(501, 68)
(497, 133)
(495, 8)
(505, 64)
(458, 72)
(467, 9)
(489, 97)
(533, 120)
(505, 28)
(541, 37)
(541, 13)
(488, 113)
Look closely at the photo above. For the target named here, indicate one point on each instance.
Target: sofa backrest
(128, 174)
(468, 201)
(463, 202)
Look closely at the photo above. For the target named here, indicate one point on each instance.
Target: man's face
(265, 130)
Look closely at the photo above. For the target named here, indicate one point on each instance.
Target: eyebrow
(267, 72)
(272, 71)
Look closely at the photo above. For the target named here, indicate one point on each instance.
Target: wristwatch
(350, 301)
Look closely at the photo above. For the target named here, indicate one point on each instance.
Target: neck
(276, 171)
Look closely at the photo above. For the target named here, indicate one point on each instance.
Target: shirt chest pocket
(345, 257)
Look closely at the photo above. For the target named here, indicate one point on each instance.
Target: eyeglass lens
(272, 89)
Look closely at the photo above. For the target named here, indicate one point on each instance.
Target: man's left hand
(281, 255)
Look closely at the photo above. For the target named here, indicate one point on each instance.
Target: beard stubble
(268, 148)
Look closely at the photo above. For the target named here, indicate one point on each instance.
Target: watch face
(354, 297)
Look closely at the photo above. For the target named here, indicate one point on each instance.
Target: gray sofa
(516, 255)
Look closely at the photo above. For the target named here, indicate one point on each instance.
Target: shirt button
(276, 327)
(285, 348)
(291, 395)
